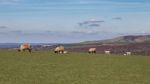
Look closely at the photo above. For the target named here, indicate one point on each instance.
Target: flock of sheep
(61, 49)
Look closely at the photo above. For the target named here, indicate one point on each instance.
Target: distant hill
(16, 45)
(122, 40)
(9, 45)
(118, 40)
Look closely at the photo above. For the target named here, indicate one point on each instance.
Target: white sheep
(92, 50)
(25, 46)
(128, 53)
(65, 52)
(59, 49)
(107, 52)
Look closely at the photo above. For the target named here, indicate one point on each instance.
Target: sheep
(107, 52)
(59, 49)
(65, 52)
(56, 50)
(24, 47)
(92, 50)
(124, 54)
(128, 53)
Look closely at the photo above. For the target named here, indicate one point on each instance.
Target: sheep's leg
(55, 51)
(62, 51)
(29, 50)
(19, 50)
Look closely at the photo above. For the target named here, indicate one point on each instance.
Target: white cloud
(10, 1)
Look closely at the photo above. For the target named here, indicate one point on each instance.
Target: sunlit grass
(44, 67)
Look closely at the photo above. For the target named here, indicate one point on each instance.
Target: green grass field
(43, 67)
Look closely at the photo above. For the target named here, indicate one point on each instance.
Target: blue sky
(56, 21)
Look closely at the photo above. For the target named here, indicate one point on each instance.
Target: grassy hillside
(45, 67)
(123, 40)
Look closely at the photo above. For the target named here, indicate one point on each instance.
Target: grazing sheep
(65, 52)
(59, 49)
(92, 50)
(124, 54)
(107, 52)
(128, 53)
(25, 47)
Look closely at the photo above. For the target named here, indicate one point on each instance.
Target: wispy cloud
(76, 5)
(117, 18)
(56, 36)
(16, 32)
(91, 23)
(10, 1)
(3, 27)
(94, 25)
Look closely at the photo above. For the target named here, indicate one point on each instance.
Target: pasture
(44, 67)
